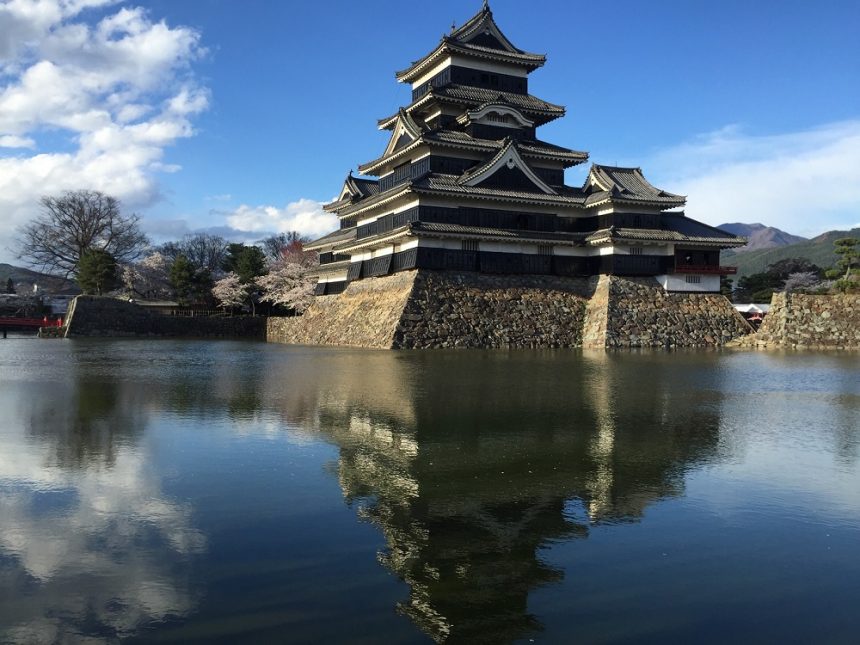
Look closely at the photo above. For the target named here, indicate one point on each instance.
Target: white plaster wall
(677, 282)
(340, 276)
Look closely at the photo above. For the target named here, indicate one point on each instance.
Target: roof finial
(486, 6)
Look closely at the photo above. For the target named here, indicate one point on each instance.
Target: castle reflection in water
(468, 470)
(468, 463)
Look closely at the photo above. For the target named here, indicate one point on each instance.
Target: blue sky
(242, 117)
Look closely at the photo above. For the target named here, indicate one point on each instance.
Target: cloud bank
(89, 103)
(804, 182)
(305, 216)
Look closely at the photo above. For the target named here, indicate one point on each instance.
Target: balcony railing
(705, 268)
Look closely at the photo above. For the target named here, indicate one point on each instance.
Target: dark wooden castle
(466, 184)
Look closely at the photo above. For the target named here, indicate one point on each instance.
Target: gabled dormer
(617, 184)
(481, 30)
(403, 132)
(405, 138)
(478, 44)
(356, 188)
(506, 170)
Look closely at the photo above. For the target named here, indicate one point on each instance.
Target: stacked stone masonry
(799, 321)
(94, 316)
(465, 309)
(638, 312)
(435, 309)
(365, 315)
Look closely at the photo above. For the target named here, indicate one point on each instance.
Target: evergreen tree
(849, 254)
(97, 272)
(10, 286)
(182, 279)
(247, 262)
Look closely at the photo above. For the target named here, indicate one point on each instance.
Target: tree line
(801, 275)
(84, 235)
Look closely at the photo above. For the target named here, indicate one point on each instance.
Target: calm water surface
(241, 492)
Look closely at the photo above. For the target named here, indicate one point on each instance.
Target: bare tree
(74, 223)
(277, 246)
(204, 251)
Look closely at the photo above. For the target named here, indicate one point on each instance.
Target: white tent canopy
(752, 308)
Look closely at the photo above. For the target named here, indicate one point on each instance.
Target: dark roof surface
(480, 95)
(367, 187)
(630, 184)
(458, 229)
(474, 97)
(457, 138)
(442, 183)
(335, 237)
(666, 235)
(537, 147)
(682, 224)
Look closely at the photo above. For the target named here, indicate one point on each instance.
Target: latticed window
(635, 250)
(470, 245)
(544, 249)
(693, 279)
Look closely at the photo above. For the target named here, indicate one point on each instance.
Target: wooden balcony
(704, 268)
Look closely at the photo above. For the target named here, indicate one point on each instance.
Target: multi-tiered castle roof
(465, 183)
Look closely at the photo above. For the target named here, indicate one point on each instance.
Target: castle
(466, 184)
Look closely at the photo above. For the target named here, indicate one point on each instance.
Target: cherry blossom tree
(149, 278)
(230, 291)
(288, 285)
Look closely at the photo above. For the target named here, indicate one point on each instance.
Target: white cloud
(305, 216)
(87, 559)
(14, 141)
(803, 182)
(114, 93)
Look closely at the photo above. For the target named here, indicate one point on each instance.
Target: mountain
(818, 250)
(760, 236)
(24, 280)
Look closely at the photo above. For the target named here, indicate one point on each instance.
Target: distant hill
(760, 236)
(818, 250)
(24, 279)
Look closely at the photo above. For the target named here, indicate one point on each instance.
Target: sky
(242, 118)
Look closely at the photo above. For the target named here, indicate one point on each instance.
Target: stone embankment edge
(439, 309)
(802, 321)
(97, 316)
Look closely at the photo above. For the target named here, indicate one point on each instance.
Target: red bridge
(31, 322)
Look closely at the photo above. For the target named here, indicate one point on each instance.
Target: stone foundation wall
(431, 309)
(365, 315)
(638, 312)
(803, 321)
(95, 316)
(467, 309)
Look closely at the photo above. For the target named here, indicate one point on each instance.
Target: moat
(196, 491)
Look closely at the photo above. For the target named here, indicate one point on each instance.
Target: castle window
(544, 249)
(693, 279)
(635, 250)
(470, 245)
